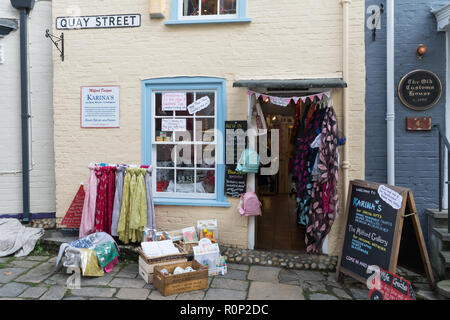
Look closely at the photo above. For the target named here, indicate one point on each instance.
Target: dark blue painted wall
(416, 153)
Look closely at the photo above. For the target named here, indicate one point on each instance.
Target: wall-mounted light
(421, 51)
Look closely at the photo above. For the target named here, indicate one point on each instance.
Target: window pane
(190, 7)
(209, 7)
(158, 106)
(189, 100)
(185, 181)
(208, 111)
(185, 155)
(162, 135)
(206, 181)
(164, 155)
(227, 6)
(204, 130)
(206, 156)
(188, 135)
(164, 178)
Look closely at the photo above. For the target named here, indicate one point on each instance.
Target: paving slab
(341, 294)
(156, 295)
(39, 273)
(427, 295)
(305, 275)
(133, 294)
(38, 258)
(193, 295)
(235, 266)
(33, 292)
(9, 274)
(96, 281)
(55, 293)
(94, 292)
(24, 263)
(235, 274)
(225, 294)
(274, 291)
(12, 289)
(287, 276)
(232, 284)
(127, 283)
(322, 296)
(360, 293)
(264, 274)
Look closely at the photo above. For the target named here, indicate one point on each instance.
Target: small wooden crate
(178, 283)
(147, 265)
(188, 247)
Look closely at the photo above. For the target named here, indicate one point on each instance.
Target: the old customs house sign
(420, 90)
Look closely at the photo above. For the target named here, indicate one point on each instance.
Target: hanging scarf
(303, 166)
(324, 197)
(105, 198)
(88, 215)
(133, 213)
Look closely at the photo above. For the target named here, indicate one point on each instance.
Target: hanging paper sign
(174, 101)
(173, 125)
(72, 219)
(391, 197)
(280, 101)
(199, 105)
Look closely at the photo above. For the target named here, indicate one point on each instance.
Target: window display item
(249, 204)
(207, 229)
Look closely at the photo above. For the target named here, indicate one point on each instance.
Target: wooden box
(147, 265)
(178, 283)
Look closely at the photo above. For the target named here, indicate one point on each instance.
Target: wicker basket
(181, 255)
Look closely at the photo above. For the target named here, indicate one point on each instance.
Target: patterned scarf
(324, 197)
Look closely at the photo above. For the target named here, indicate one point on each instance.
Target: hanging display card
(174, 101)
(199, 105)
(100, 107)
(375, 218)
(173, 125)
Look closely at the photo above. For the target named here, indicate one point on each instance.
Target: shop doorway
(277, 228)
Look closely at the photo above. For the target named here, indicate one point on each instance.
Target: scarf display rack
(118, 201)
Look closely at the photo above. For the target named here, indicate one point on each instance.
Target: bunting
(284, 101)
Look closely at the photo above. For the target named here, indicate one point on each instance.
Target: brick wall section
(416, 153)
(285, 40)
(42, 182)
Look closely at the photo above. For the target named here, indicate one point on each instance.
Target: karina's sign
(100, 107)
(420, 90)
(98, 22)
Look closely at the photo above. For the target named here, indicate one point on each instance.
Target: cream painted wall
(285, 40)
(42, 181)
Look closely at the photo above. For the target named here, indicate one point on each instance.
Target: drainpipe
(390, 94)
(345, 67)
(24, 7)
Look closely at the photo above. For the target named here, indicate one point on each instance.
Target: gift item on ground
(16, 238)
(175, 235)
(207, 229)
(207, 253)
(147, 264)
(101, 245)
(159, 248)
(188, 246)
(89, 264)
(148, 235)
(189, 235)
(173, 283)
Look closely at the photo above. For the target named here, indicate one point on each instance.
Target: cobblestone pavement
(35, 277)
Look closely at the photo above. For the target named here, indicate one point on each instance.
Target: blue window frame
(233, 12)
(155, 142)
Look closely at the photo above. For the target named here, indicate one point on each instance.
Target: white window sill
(207, 21)
(190, 202)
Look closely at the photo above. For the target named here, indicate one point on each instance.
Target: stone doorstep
(435, 213)
(442, 234)
(443, 288)
(445, 255)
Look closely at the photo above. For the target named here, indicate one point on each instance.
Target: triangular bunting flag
(72, 219)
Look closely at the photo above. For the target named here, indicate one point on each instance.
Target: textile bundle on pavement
(16, 238)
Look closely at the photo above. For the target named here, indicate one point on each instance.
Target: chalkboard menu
(378, 219)
(369, 232)
(235, 143)
(420, 90)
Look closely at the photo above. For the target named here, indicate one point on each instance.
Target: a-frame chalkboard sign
(382, 228)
